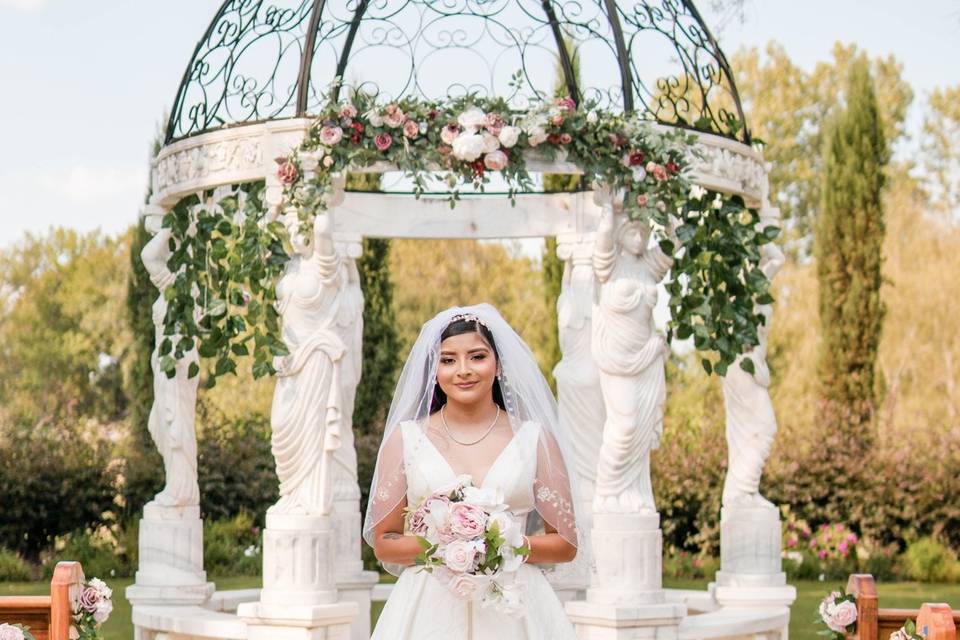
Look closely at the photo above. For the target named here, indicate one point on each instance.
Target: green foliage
(227, 260)
(849, 252)
(231, 547)
(941, 145)
(689, 566)
(99, 552)
(929, 560)
(143, 467)
(13, 568)
(52, 481)
(61, 296)
(552, 270)
(236, 468)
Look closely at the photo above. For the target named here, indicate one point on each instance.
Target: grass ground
(898, 594)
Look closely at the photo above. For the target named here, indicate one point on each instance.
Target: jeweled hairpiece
(468, 317)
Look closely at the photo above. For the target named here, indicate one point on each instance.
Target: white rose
(468, 146)
(472, 119)
(460, 555)
(490, 500)
(509, 136)
(102, 587)
(374, 118)
(10, 632)
(844, 614)
(592, 117)
(536, 136)
(490, 143)
(104, 608)
(509, 528)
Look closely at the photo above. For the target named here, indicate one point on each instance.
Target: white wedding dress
(421, 607)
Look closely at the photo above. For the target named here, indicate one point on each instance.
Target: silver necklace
(450, 435)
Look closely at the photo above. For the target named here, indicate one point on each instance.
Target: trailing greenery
(227, 265)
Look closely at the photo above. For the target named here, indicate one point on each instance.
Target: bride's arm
(389, 542)
(550, 548)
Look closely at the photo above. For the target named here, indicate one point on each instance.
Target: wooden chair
(48, 617)
(934, 620)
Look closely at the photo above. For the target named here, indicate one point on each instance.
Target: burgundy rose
(566, 138)
(553, 138)
(477, 167)
(432, 114)
(383, 141)
(672, 167)
(637, 158)
(287, 172)
(357, 126)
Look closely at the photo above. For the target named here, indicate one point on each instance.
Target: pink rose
(89, 598)
(331, 135)
(844, 615)
(418, 525)
(659, 172)
(103, 611)
(450, 132)
(460, 555)
(565, 138)
(642, 200)
(468, 521)
(495, 123)
(287, 172)
(496, 160)
(464, 585)
(557, 120)
(383, 141)
(567, 103)
(348, 111)
(393, 116)
(411, 129)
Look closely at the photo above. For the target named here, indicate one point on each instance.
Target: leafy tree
(848, 245)
(786, 107)
(63, 338)
(941, 144)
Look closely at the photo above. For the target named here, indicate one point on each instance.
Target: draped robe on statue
(307, 414)
(629, 354)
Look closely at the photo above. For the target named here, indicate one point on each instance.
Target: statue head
(633, 236)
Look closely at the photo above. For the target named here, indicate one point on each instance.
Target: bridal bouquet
(471, 543)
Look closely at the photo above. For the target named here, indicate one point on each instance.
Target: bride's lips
(465, 385)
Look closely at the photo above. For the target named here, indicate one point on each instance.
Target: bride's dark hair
(456, 328)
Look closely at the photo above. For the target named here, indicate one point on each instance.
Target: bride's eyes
(476, 356)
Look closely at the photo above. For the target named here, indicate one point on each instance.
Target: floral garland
(227, 264)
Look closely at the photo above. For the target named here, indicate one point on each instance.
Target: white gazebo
(250, 95)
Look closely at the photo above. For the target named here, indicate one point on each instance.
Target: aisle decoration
(15, 632)
(838, 611)
(91, 604)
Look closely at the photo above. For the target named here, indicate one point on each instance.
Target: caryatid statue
(171, 421)
(307, 416)
(629, 353)
(751, 423)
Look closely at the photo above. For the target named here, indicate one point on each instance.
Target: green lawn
(809, 593)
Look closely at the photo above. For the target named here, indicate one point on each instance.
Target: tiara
(468, 317)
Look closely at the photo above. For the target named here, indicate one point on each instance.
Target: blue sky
(85, 83)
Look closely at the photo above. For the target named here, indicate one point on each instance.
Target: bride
(471, 400)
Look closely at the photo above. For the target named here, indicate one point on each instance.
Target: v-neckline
(453, 471)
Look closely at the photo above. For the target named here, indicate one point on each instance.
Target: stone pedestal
(750, 572)
(358, 589)
(299, 599)
(625, 600)
(170, 558)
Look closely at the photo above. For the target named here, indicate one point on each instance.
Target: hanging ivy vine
(228, 256)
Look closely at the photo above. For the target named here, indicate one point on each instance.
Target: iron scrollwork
(269, 60)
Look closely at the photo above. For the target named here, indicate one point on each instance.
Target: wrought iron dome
(262, 61)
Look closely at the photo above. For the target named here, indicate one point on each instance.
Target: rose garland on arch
(716, 282)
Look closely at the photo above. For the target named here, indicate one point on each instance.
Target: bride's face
(467, 369)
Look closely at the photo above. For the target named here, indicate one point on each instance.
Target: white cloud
(24, 5)
(79, 197)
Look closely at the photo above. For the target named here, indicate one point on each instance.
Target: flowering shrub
(833, 542)
(229, 254)
(839, 612)
(15, 632)
(91, 607)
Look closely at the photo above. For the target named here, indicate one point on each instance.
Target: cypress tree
(848, 249)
